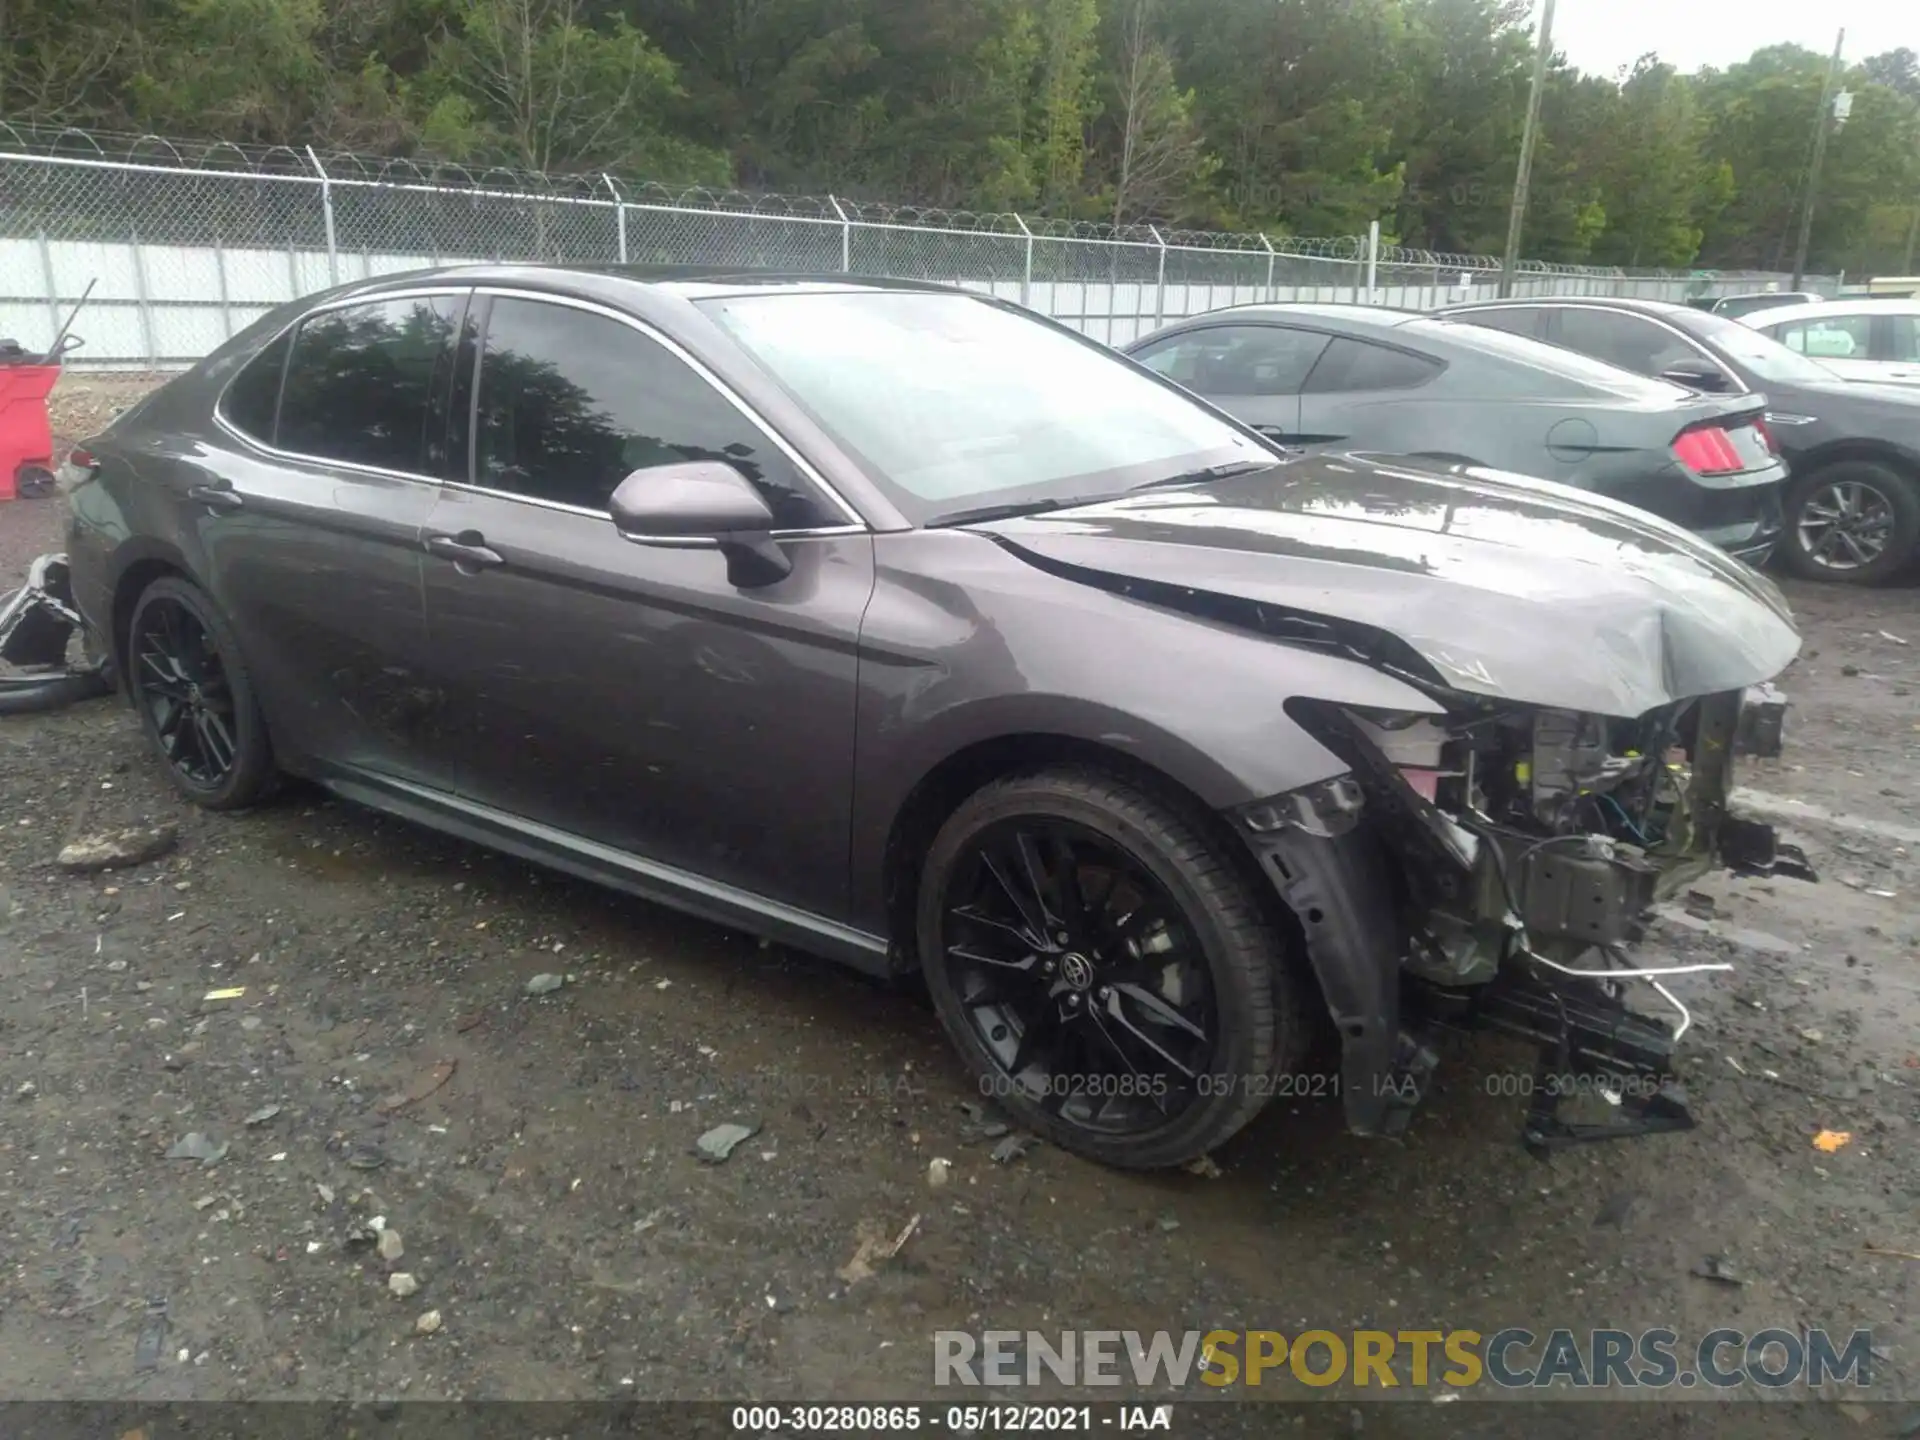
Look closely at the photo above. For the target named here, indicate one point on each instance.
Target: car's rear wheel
(1855, 521)
(1104, 969)
(195, 697)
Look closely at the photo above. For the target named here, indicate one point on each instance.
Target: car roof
(1833, 309)
(1610, 302)
(689, 282)
(1378, 317)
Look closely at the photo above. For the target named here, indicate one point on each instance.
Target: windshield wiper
(1005, 511)
(1212, 472)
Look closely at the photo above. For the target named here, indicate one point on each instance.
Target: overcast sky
(1602, 35)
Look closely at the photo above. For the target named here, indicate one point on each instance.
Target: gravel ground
(379, 1056)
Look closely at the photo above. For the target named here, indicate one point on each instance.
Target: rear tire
(194, 695)
(1854, 522)
(1082, 937)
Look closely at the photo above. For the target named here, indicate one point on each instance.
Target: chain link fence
(186, 244)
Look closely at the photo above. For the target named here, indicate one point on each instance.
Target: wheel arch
(944, 787)
(137, 567)
(1856, 448)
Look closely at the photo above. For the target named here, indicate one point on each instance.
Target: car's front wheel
(1855, 521)
(1104, 969)
(195, 697)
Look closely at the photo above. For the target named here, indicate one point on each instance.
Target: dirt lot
(548, 1207)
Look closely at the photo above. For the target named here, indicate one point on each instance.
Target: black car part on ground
(37, 627)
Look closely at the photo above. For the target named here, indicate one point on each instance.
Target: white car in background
(1876, 340)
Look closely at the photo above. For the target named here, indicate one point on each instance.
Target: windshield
(954, 403)
(1765, 356)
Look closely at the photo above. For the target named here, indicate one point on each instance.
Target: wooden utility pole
(1824, 124)
(1517, 218)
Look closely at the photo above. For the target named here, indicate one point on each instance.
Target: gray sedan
(896, 624)
(1349, 377)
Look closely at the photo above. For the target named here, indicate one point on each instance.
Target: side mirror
(697, 503)
(1697, 375)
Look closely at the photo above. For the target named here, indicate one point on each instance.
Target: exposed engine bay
(1528, 847)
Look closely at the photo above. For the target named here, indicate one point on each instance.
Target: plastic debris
(1832, 1140)
(1012, 1148)
(720, 1142)
(233, 992)
(195, 1146)
(1718, 1269)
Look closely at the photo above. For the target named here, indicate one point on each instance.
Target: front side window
(360, 382)
(571, 403)
(954, 403)
(1356, 365)
(1237, 359)
(1632, 342)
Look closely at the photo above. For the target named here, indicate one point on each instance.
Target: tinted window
(572, 403)
(1356, 365)
(1630, 341)
(1753, 304)
(1838, 337)
(1904, 338)
(954, 402)
(1237, 359)
(254, 394)
(361, 381)
(1762, 354)
(1514, 320)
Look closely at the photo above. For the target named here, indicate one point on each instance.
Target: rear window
(1467, 329)
(1355, 365)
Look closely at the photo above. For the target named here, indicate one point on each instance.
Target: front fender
(1005, 650)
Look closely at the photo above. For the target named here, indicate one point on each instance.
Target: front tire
(1855, 522)
(1104, 968)
(194, 696)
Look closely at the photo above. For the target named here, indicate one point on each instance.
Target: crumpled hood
(1509, 587)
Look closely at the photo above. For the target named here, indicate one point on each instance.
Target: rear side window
(1903, 339)
(1838, 337)
(1515, 320)
(1237, 359)
(254, 394)
(360, 382)
(571, 403)
(1351, 365)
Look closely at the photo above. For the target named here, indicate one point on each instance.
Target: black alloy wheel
(1106, 974)
(195, 697)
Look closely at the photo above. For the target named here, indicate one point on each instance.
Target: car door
(1351, 378)
(623, 695)
(310, 526)
(1253, 372)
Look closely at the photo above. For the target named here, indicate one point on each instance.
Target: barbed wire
(454, 181)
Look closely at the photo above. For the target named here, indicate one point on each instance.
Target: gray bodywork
(1510, 404)
(772, 755)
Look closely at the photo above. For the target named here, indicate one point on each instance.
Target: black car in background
(1853, 503)
(1736, 306)
(1358, 378)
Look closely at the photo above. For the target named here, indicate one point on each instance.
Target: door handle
(468, 550)
(218, 498)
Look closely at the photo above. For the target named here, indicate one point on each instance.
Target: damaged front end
(1492, 867)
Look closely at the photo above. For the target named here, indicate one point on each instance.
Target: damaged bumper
(1493, 870)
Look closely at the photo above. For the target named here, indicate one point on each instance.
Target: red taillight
(82, 459)
(1707, 451)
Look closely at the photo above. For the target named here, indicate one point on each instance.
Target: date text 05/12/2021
(954, 1419)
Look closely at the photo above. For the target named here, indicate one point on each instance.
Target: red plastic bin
(26, 437)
